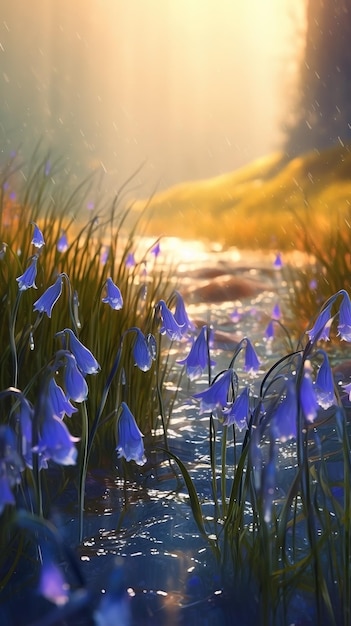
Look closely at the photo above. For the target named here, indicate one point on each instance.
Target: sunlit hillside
(271, 202)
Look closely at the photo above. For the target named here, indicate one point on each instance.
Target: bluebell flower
(321, 328)
(86, 361)
(105, 252)
(278, 263)
(62, 242)
(308, 399)
(269, 332)
(197, 360)
(344, 325)
(52, 583)
(251, 363)
(27, 279)
(141, 352)
(216, 396)
(38, 239)
(170, 326)
(152, 346)
(276, 312)
(239, 412)
(156, 250)
(235, 316)
(130, 443)
(47, 301)
(113, 296)
(181, 316)
(284, 418)
(130, 260)
(74, 382)
(324, 386)
(56, 442)
(60, 404)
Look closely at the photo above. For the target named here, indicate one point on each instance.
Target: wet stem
(12, 338)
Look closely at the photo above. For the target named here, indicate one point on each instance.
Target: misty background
(191, 89)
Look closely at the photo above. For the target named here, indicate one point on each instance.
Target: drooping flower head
(113, 295)
(156, 250)
(278, 262)
(130, 260)
(252, 363)
(46, 302)
(239, 412)
(55, 441)
(60, 403)
(269, 332)
(86, 361)
(62, 242)
(321, 328)
(308, 399)
(27, 279)
(52, 583)
(75, 385)
(170, 326)
(284, 417)
(198, 358)
(181, 316)
(143, 355)
(216, 396)
(324, 386)
(344, 325)
(276, 312)
(38, 239)
(130, 443)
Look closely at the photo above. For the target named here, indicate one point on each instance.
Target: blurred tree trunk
(322, 116)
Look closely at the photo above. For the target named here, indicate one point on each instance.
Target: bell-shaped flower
(170, 326)
(46, 302)
(86, 361)
(60, 404)
(141, 352)
(38, 239)
(239, 412)
(284, 418)
(156, 250)
(27, 279)
(269, 332)
(130, 443)
(74, 382)
(52, 583)
(56, 442)
(113, 295)
(344, 325)
(181, 316)
(308, 398)
(324, 385)
(130, 260)
(198, 358)
(276, 312)
(62, 243)
(152, 345)
(321, 328)
(278, 262)
(251, 363)
(216, 396)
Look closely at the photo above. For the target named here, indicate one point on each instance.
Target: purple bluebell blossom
(308, 399)
(344, 325)
(52, 583)
(278, 263)
(27, 279)
(47, 301)
(284, 418)
(181, 316)
(74, 382)
(170, 326)
(86, 361)
(62, 243)
(324, 386)
(216, 396)
(239, 412)
(56, 442)
(269, 332)
(141, 352)
(130, 260)
(197, 360)
(130, 443)
(276, 312)
(60, 404)
(38, 238)
(156, 250)
(113, 295)
(251, 363)
(235, 316)
(321, 328)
